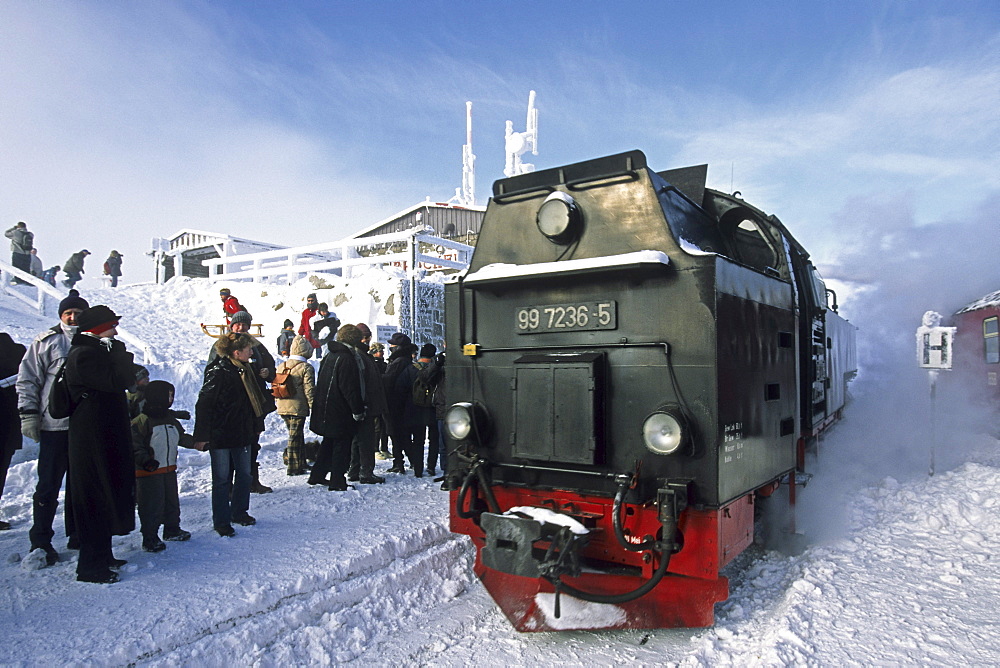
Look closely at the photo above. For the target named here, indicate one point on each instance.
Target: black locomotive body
(633, 358)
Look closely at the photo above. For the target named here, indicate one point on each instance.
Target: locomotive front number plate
(563, 317)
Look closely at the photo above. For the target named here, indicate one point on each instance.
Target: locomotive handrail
(549, 469)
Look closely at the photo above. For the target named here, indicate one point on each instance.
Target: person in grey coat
(34, 379)
(21, 243)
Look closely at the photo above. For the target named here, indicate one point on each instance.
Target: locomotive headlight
(468, 422)
(559, 218)
(458, 421)
(663, 433)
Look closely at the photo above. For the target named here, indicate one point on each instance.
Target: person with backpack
(293, 387)
(21, 243)
(418, 412)
(35, 377)
(113, 267)
(285, 338)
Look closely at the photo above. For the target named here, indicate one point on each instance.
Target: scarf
(251, 386)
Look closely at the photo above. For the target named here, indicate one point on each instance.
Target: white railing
(293, 263)
(43, 290)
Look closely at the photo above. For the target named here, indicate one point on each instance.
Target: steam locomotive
(641, 358)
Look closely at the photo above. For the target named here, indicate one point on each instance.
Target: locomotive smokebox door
(557, 407)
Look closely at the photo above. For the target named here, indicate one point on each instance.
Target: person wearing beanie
(35, 376)
(285, 338)
(73, 268)
(113, 267)
(101, 474)
(338, 408)
(230, 304)
(156, 435)
(400, 358)
(262, 365)
(294, 409)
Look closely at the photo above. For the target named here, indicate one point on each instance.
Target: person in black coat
(11, 354)
(401, 352)
(338, 408)
(101, 475)
(229, 407)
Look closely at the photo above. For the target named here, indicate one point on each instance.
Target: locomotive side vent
(557, 400)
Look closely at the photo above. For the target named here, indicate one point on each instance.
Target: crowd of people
(117, 445)
(24, 256)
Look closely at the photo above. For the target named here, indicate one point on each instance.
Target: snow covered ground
(895, 568)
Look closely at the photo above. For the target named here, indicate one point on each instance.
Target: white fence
(44, 300)
(341, 256)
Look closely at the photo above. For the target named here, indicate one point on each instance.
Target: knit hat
(399, 339)
(73, 301)
(287, 324)
(141, 372)
(158, 394)
(428, 350)
(365, 332)
(241, 316)
(97, 319)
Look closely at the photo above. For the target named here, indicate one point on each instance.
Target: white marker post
(934, 353)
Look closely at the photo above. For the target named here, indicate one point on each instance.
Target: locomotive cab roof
(688, 217)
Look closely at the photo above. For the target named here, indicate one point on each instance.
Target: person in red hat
(101, 472)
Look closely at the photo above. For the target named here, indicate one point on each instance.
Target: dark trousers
(442, 447)
(7, 449)
(159, 504)
(433, 448)
(381, 435)
(410, 441)
(95, 553)
(53, 459)
(363, 450)
(21, 261)
(334, 457)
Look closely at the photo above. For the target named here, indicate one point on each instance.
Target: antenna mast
(517, 144)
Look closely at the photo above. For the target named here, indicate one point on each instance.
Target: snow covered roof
(992, 299)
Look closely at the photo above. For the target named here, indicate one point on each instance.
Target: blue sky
(299, 122)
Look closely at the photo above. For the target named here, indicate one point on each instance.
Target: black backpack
(423, 391)
(61, 404)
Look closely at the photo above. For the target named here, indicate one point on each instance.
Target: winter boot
(256, 487)
(153, 544)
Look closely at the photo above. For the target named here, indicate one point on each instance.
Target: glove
(151, 465)
(31, 426)
(358, 417)
(181, 415)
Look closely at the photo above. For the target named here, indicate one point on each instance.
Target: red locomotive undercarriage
(685, 597)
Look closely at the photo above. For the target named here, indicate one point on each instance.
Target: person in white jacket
(34, 378)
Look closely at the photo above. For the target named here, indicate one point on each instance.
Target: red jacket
(304, 328)
(231, 305)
